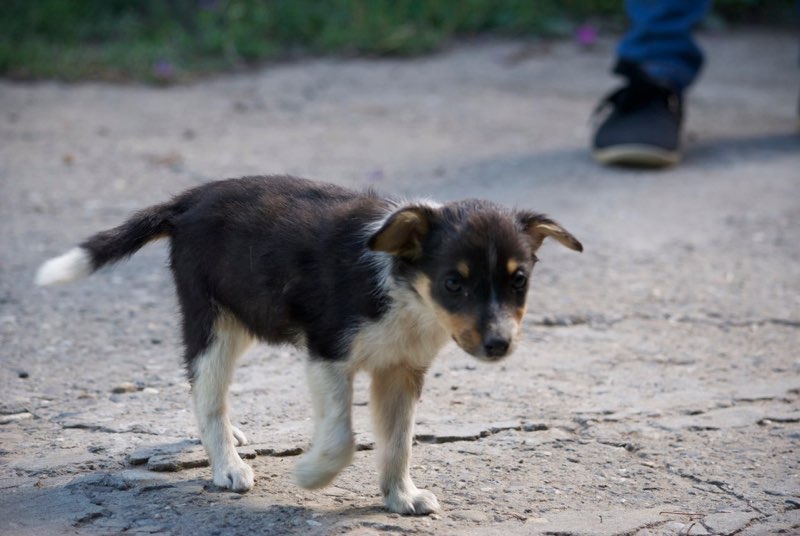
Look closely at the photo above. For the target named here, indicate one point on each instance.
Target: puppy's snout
(496, 346)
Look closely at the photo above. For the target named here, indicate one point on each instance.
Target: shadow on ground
(110, 504)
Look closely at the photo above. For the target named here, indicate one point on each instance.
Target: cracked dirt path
(657, 390)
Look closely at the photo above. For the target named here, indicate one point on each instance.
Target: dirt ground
(657, 391)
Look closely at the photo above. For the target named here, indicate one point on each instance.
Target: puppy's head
(471, 263)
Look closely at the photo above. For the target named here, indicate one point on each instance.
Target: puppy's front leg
(395, 392)
(332, 447)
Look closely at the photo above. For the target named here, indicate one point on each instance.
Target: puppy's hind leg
(212, 370)
(332, 446)
(394, 394)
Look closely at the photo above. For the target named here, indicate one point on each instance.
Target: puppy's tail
(110, 246)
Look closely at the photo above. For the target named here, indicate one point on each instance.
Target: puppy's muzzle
(498, 338)
(496, 347)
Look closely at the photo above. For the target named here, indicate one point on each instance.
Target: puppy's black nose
(495, 347)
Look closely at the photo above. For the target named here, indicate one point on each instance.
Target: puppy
(360, 281)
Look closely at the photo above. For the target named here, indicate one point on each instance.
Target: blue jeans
(660, 39)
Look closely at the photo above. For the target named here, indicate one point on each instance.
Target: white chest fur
(408, 334)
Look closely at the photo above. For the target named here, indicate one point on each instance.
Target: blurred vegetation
(167, 40)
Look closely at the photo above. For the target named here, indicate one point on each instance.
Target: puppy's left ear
(402, 233)
(539, 227)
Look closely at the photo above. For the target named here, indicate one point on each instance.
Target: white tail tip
(71, 266)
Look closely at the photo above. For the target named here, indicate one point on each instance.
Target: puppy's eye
(519, 280)
(453, 284)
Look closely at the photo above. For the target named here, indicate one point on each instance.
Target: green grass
(168, 40)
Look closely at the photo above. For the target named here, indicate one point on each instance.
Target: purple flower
(164, 70)
(586, 35)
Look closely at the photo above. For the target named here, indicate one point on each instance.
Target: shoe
(640, 123)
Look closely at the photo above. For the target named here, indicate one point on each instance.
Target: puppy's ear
(539, 227)
(402, 233)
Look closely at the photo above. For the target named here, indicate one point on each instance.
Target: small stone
(172, 463)
(535, 427)
(163, 455)
(365, 445)
(193, 489)
(278, 451)
(288, 450)
(125, 387)
(5, 419)
(505, 425)
(101, 480)
(446, 433)
(136, 476)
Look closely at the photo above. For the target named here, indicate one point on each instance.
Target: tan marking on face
(512, 265)
(463, 269)
(519, 313)
(423, 286)
(463, 328)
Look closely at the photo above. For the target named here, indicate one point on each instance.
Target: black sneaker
(642, 123)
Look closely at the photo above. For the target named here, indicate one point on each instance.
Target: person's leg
(640, 123)
(660, 39)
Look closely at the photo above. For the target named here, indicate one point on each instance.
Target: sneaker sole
(636, 156)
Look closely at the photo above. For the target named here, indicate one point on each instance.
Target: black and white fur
(362, 282)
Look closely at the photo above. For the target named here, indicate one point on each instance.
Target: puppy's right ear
(538, 226)
(402, 233)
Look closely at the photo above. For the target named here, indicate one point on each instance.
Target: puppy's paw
(316, 470)
(235, 475)
(415, 501)
(239, 439)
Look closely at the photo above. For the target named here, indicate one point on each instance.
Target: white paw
(235, 475)
(316, 470)
(239, 438)
(415, 501)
